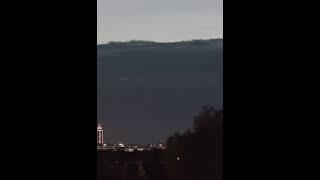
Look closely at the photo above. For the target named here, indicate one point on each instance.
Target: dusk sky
(147, 94)
(159, 20)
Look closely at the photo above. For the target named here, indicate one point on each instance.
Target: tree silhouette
(198, 154)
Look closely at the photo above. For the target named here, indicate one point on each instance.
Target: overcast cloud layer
(159, 20)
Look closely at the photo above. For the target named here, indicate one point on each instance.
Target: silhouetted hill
(114, 48)
(138, 44)
(156, 85)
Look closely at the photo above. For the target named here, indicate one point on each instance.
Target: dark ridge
(141, 43)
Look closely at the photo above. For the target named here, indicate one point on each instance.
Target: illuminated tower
(99, 134)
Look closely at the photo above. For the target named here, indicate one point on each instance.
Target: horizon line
(133, 40)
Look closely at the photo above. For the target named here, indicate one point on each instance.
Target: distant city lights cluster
(124, 147)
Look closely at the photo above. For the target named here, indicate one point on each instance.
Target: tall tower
(99, 134)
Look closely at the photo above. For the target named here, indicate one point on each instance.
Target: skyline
(160, 21)
(101, 136)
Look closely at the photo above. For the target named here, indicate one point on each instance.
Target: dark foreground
(193, 155)
(131, 166)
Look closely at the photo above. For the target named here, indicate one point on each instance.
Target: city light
(121, 145)
(124, 147)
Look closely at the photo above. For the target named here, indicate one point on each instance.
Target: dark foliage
(198, 154)
(192, 155)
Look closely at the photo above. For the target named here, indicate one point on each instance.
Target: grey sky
(159, 20)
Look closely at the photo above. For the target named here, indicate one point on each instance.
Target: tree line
(197, 153)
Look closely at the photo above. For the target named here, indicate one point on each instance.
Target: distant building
(99, 135)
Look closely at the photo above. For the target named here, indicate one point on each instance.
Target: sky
(159, 20)
(138, 102)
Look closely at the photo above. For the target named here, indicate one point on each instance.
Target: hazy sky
(159, 20)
